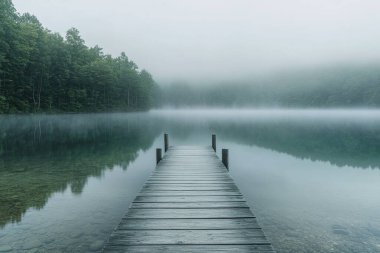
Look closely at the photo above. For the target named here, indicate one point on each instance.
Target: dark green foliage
(41, 71)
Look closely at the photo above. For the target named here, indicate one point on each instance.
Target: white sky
(216, 40)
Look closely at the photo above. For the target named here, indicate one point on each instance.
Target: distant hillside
(347, 86)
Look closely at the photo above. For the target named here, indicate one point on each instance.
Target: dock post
(225, 158)
(214, 142)
(158, 155)
(166, 141)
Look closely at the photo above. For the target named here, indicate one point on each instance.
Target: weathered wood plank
(228, 184)
(259, 248)
(153, 199)
(190, 180)
(188, 224)
(191, 171)
(189, 213)
(190, 167)
(188, 173)
(161, 187)
(204, 178)
(192, 237)
(192, 183)
(188, 205)
(189, 193)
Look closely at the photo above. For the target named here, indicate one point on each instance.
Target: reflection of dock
(189, 204)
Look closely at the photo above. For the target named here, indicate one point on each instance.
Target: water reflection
(55, 164)
(307, 206)
(41, 155)
(343, 138)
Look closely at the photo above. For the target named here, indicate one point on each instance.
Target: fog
(219, 40)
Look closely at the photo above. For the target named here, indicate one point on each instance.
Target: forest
(41, 71)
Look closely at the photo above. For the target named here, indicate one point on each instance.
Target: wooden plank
(190, 167)
(196, 174)
(183, 162)
(258, 248)
(188, 205)
(189, 162)
(186, 147)
(219, 179)
(191, 180)
(189, 213)
(189, 193)
(153, 199)
(167, 182)
(193, 174)
(160, 187)
(229, 184)
(190, 177)
(192, 171)
(188, 224)
(189, 173)
(189, 237)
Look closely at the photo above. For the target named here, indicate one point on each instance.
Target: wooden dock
(189, 204)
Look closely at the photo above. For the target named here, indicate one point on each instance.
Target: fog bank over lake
(247, 113)
(216, 40)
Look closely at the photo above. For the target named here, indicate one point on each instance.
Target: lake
(312, 177)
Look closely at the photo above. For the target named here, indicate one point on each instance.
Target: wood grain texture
(213, 224)
(154, 199)
(190, 193)
(189, 204)
(182, 213)
(258, 248)
(189, 237)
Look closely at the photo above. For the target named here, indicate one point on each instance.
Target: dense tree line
(42, 71)
(343, 86)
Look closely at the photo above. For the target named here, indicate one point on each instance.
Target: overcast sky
(220, 39)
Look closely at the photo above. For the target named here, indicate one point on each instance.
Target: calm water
(311, 177)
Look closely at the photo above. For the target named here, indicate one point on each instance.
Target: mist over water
(257, 114)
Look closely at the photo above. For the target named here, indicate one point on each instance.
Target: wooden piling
(166, 142)
(158, 155)
(225, 158)
(214, 142)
